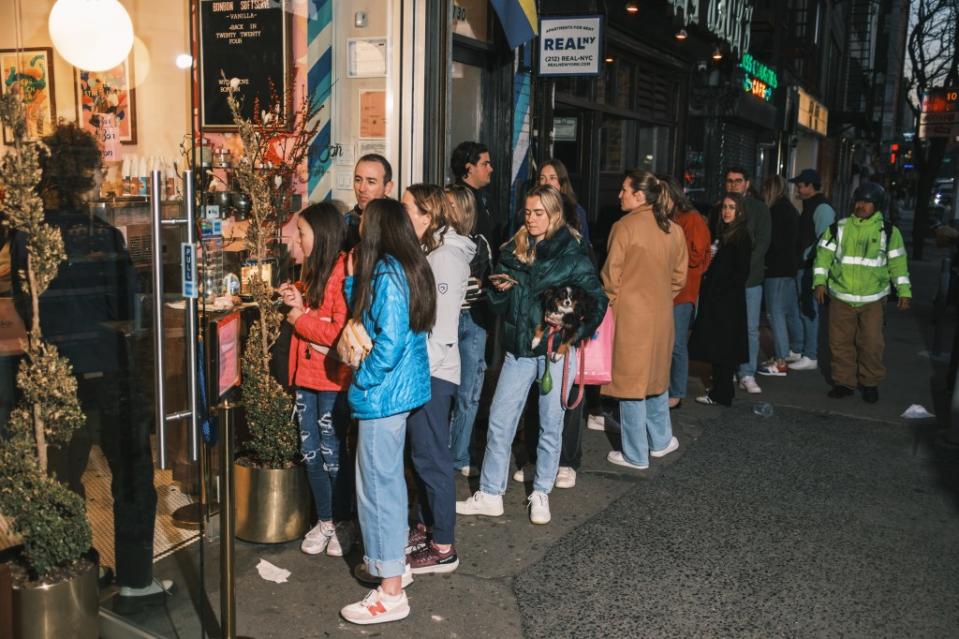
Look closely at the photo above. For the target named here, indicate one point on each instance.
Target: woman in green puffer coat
(543, 253)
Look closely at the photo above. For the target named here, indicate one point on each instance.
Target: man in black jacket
(83, 313)
(471, 167)
(372, 180)
(817, 215)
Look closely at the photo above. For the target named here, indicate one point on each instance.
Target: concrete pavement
(831, 518)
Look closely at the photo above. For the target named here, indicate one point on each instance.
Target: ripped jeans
(324, 420)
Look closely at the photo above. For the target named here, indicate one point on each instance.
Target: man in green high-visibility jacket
(857, 259)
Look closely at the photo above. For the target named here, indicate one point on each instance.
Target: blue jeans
(515, 378)
(381, 497)
(809, 312)
(645, 426)
(782, 305)
(754, 301)
(472, 345)
(679, 368)
(324, 420)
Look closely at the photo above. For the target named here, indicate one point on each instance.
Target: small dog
(565, 308)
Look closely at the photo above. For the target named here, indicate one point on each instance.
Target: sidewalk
(586, 572)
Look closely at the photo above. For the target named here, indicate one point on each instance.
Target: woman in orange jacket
(684, 304)
(318, 312)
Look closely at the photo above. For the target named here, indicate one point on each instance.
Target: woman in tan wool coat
(645, 269)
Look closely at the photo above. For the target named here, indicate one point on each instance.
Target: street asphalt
(828, 519)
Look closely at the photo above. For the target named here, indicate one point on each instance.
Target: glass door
(111, 116)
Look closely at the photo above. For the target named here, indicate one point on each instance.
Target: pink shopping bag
(597, 354)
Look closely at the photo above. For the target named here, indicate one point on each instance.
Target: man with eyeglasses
(759, 224)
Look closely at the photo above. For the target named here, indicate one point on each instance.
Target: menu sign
(246, 40)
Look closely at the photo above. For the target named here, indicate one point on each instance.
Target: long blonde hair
(553, 203)
(773, 188)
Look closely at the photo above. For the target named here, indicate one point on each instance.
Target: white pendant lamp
(94, 35)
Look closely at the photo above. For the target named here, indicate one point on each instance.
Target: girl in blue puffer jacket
(393, 294)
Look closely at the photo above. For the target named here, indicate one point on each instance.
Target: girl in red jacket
(318, 313)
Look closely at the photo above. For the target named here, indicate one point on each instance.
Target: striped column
(319, 83)
(521, 134)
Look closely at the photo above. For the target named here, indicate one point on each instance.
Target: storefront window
(466, 103)
(470, 19)
(611, 147)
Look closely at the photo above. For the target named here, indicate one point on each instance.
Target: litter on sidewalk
(273, 573)
(916, 411)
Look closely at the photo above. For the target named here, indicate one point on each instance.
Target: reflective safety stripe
(839, 231)
(903, 280)
(820, 271)
(862, 299)
(864, 261)
(896, 252)
(827, 245)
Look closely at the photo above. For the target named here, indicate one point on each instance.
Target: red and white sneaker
(377, 607)
(772, 368)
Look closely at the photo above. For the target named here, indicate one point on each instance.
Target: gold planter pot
(272, 506)
(64, 609)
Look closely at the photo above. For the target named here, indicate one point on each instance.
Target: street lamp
(632, 7)
(681, 35)
(717, 54)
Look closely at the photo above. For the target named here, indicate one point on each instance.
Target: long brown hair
(463, 208)
(773, 188)
(553, 203)
(646, 182)
(431, 201)
(680, 202)
(565, 186)
(326, 222)
(387, 230)
(728, 232)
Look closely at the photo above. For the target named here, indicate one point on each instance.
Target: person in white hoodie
(448, 251)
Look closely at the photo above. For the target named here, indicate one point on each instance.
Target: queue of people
(424, 281)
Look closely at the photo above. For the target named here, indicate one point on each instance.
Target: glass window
(466, 104)
(611, 147)
(470, 19)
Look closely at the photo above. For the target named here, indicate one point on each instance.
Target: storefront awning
(519, 20)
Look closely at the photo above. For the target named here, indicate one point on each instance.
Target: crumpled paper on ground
(272, 573)
(916, 411)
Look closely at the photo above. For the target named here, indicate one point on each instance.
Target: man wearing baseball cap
(856, 261)
(817, 215)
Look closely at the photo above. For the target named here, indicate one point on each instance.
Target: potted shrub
(272, 493)
(55, 569)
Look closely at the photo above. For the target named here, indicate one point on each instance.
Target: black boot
(870, 394)
(839, 392)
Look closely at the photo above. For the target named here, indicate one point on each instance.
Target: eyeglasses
(735, 180)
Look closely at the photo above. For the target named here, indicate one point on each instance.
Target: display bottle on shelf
(142, 176)
(125, 174)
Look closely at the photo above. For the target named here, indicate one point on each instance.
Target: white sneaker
(377, 607)
(749, 385)
(596, 422)
(804, 364)
(526, 473)
(363, 575)
(342, 539)
(481, 504)
(793, 357)
(616, 457)
(318, 538)
(566, 477)
(539, 508)
(469, 471)
(670, 447)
